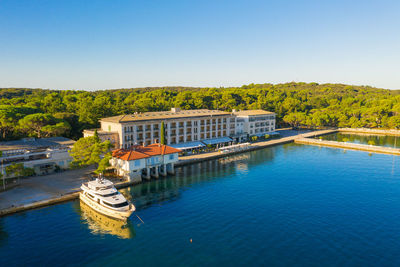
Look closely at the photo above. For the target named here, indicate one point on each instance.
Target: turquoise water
(287, 205)
(378, 140)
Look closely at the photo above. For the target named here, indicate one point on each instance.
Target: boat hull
(119, 215)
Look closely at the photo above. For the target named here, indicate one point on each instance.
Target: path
(40, 188)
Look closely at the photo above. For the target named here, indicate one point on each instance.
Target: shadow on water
(160, 190)
(3, 234)
(99, 224)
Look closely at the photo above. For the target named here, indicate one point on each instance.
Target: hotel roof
(140, 152)
(165, 115)
(253, 112)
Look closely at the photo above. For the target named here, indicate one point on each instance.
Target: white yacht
(102, 224)
(103, 197)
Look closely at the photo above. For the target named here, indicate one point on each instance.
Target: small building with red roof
(144, 161)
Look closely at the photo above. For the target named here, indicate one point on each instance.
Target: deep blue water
(289, 205)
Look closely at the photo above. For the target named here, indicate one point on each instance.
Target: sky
(78, 44)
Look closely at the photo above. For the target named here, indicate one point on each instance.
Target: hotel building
(254, 122)
(184, 128)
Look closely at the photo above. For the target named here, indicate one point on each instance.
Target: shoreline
(192, 159)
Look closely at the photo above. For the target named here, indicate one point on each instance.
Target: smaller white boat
(103, 197)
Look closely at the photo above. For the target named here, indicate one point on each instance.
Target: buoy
(190, 240)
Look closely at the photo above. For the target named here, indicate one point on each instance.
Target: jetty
(191, 159)
(346, 145)
(370, 131)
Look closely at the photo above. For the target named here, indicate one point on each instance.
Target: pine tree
(96, 136)
(162, 132)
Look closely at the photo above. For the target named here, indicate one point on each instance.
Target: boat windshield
(110, 195)
(119, 205)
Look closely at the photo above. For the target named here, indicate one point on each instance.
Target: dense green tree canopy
(43, 125)
(88, 151)
(313, 104)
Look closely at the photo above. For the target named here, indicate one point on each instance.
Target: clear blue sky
(122, 44)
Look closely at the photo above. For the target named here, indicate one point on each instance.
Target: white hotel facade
(185, 128)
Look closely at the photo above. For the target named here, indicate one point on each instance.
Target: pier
(370, 131)
(186, 160)
(345, 145)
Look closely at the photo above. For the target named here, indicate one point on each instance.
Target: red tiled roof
(128, 154)
(140, 152)
(158, 149)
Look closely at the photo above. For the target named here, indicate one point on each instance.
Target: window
(137, 163)
(171, 157)
(119, 205)
(110, 195)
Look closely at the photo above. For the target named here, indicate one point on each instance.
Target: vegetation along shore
(44, 113)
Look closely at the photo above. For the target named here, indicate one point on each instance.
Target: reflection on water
(282, 206)
(3, 234)
(359, 138)
(169, 189)
(100, 224)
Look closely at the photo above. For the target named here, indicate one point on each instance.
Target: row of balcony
(130, 129)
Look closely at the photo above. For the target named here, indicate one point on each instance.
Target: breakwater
(186, 160)
(370, 131)
(345, 145)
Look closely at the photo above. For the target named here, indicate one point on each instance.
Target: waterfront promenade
(345, 145)
(288, 136)
(40, 191)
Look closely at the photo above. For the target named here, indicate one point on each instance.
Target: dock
(368, 131)
(186, 160)
(350, 146)
(33, 194)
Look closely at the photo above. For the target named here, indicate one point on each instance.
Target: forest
(44, 113)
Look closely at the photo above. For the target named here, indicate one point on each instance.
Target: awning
(269, 133)
(217, 140)
(188, 145)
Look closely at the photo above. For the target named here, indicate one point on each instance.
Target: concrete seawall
(43, 203)
(352, 146)
(370, 131)
(186, 160)
(71, 195)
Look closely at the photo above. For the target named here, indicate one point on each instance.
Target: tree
(9, 116)
(96, 136)
(73, 120)
(15, 168)
(56, 129)
(104, 164)
(43, 125)
(371, 142)
(295, 119)
(88, 150)
(162, 132)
